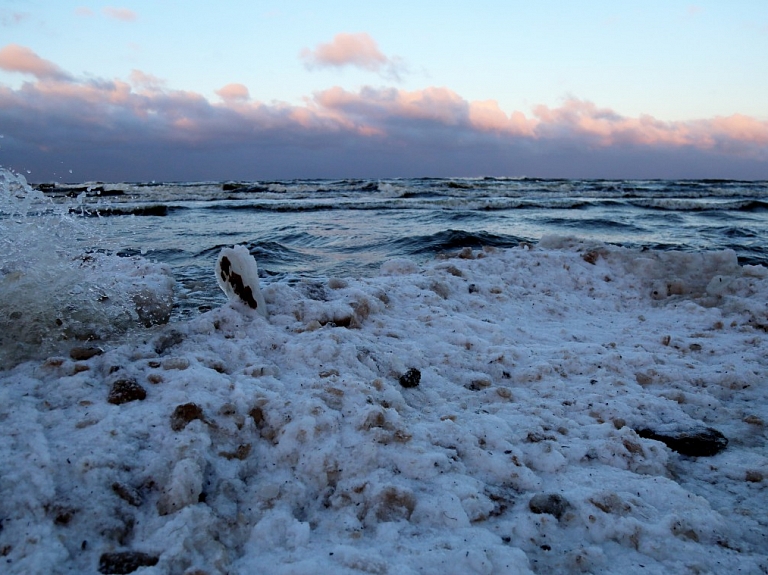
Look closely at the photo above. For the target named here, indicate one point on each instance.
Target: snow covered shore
(479, 414)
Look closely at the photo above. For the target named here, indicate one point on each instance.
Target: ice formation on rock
(238, 276)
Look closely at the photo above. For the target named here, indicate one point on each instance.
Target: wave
(698, 205)
(449, 240)
(592, 224)
(160, 210)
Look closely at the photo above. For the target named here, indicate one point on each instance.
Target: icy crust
(289, 445)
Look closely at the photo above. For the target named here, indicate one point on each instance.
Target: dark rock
(125, 562)
(410, 378)
(84, 353)
(125, 390)
(701, 442)
(185, 413)
(167, 341)
(550, 503)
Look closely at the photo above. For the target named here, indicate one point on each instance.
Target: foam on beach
(483, 413)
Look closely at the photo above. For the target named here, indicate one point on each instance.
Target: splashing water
(56, 288)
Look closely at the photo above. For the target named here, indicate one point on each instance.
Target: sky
(235, 89)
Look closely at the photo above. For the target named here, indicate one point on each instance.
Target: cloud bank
(138, 129)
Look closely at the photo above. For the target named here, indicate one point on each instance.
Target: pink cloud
(602, 127)
(84, 11)
(357, 50)
(143, 113)
(123, 14)
(15, 58)
(234, 92)
(147, 81)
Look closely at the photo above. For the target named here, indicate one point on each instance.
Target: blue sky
(573, 89)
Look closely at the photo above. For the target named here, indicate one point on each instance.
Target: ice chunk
(238, 276)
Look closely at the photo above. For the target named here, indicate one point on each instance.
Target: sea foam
(57, 287)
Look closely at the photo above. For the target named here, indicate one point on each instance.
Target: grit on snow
(234, 443)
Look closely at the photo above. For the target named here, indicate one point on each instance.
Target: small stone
(125, 562)
(410, 378)
(702, 442)
(180, 363)
(84, 353)
(550, 503)
(479, 384)
(125, 390)
(185, 413)
(754, 420)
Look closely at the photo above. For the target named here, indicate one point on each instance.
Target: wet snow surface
(477, 414)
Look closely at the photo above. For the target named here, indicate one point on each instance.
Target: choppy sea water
(320, 228)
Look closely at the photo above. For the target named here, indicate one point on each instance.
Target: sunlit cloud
(123, 14)
(84, 12)
(15, 58)
(357, 50)
(233, 92)
(146, 81)
(57, 114)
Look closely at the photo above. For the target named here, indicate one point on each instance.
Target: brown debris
(125, 390)
(184, 414)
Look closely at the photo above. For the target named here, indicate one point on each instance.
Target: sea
(304, 229)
